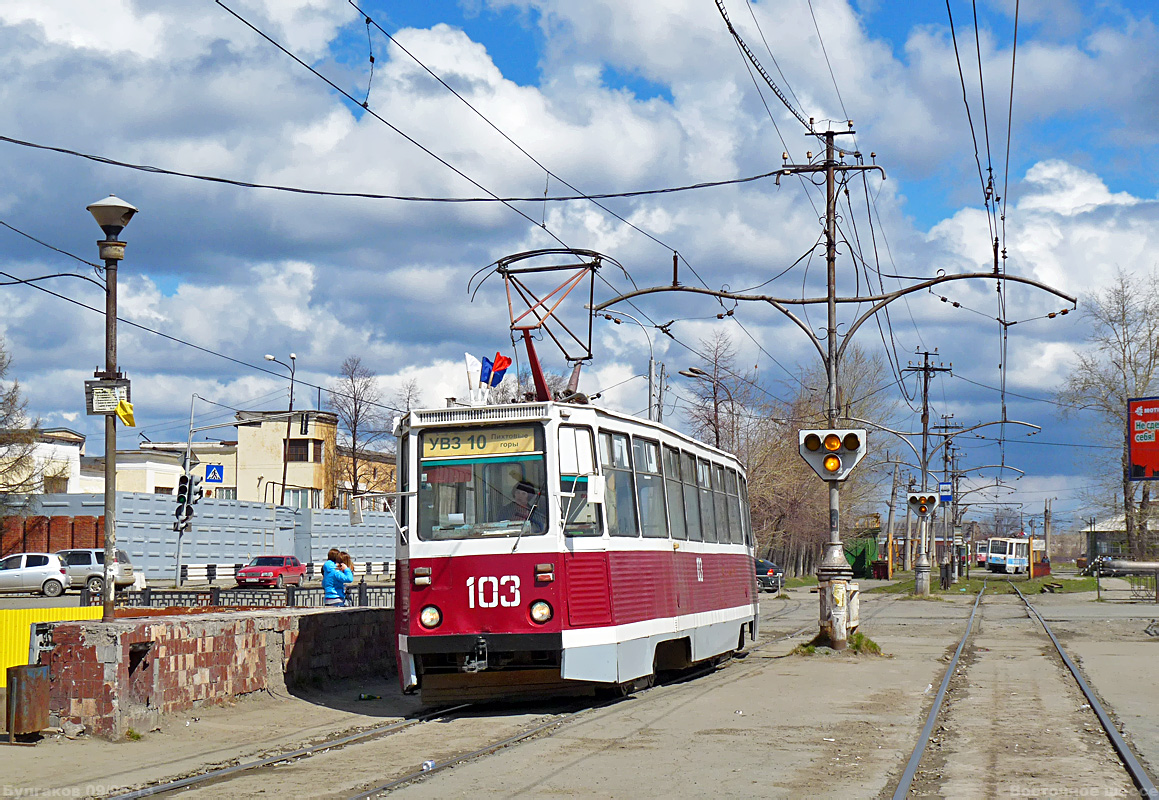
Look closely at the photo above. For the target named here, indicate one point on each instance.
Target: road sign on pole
(945, 492)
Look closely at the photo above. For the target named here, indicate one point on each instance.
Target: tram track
(964, 735)
(247, 770)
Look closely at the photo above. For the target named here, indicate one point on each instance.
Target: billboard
(1142, 442)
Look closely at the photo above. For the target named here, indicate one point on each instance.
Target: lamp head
(112, 214)
(269, 357)
(293, 357)
(697, 371)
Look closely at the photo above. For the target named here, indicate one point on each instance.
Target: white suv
(87, 567)
(33, 572)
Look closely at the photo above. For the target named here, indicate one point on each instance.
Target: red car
(276, 571)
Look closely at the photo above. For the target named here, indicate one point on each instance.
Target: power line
(387, 123)
(179, 340)
(373, 195)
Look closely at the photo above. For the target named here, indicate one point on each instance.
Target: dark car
(275, 571)
(770, 577)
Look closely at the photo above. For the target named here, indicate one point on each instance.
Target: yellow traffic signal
(832, 453)
(922, 505)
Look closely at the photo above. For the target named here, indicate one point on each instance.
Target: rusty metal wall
(15, 627)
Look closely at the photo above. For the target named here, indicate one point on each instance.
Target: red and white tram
(551, 548)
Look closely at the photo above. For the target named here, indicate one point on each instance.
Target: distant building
(376, 474)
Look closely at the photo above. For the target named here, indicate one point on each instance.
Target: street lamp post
(289, 419)
(655, 404)
(112, 214)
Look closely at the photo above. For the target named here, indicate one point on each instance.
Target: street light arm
(950, 437)
(651, 354)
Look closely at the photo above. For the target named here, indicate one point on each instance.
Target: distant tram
(1008, 555)
(552, 548)
(980, 552)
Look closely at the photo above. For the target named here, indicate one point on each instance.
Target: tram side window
(674, 493)
(650, 489)
(691, 497)
(734, 521)
(619, 496)
(704, 481)
(577, 463)
(720, 502)
(744, 511)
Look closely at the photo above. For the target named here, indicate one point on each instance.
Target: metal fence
(1136, 585)
(360, 594)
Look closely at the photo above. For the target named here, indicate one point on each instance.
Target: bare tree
(357, 400)
(409, 395)
(1121, 363)
(19, 475)
(722, 396)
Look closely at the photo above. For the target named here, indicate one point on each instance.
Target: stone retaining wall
(110, 677)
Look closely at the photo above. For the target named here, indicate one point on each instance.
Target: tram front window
(481, 483)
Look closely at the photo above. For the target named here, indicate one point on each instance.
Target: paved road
(67, 600)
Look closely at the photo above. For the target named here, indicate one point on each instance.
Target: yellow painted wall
(16, 626)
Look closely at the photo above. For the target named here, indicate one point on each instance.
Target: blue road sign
(214, 473)
(945, 492)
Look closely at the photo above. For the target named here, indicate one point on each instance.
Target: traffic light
(832, 453)
(922, 504)
(182, 496)
(195, 489)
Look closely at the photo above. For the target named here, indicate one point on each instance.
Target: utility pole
(908, 555)
(889, 524)
(1046, 528)
(928, 369)
(948, 521)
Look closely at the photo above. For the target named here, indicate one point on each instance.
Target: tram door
(585, 557)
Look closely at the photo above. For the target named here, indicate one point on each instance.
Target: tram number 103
(489, 591)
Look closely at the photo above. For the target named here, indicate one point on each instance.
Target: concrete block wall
(111, 677)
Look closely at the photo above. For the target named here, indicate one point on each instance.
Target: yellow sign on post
(478, 442)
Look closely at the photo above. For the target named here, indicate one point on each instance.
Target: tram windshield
(482, 482)
(998, 547)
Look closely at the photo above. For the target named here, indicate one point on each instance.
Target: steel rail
(1138, 775)
(911, 767)
(683, 677)
(227, 772)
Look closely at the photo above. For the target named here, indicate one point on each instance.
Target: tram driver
(527, 506)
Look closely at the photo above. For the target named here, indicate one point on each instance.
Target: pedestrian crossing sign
(214, 473)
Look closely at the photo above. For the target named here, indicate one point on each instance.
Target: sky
(607, 97)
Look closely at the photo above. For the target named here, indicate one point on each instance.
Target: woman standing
(335, 575)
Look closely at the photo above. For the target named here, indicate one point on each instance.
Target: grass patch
(995, 584)
(804, 580)
(132, 735)
(858, 643)
(864, 646)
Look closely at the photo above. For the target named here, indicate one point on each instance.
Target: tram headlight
(541, 611)
(430, 617)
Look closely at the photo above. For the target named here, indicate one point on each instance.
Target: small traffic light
(832, 453)
(922, 504)
(195, 489)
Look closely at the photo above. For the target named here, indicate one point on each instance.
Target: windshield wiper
(526, 522)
